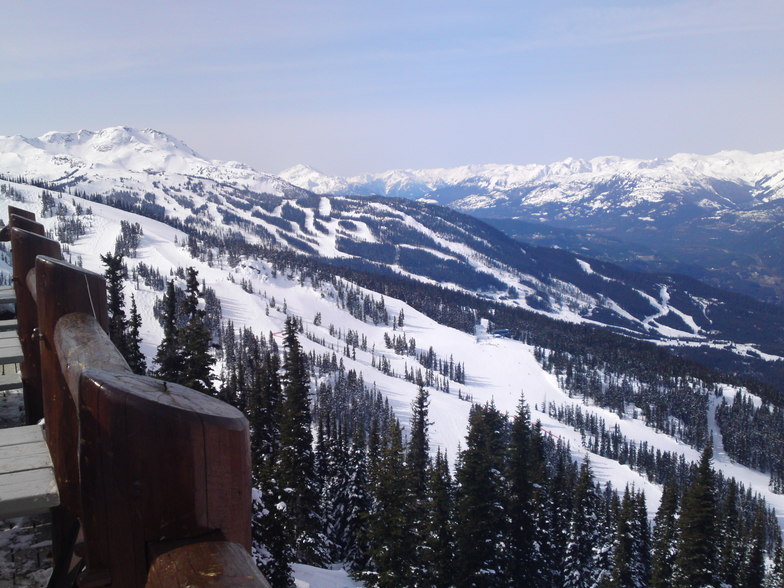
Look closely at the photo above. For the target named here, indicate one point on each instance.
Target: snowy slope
(429, 243)
(497, 369)
(714, 217)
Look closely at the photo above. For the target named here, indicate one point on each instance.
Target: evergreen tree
(524, 474)
(391, 548)
(480, 504)
(752, 573)
(272, 548)
(696, 559)
(295, 462)
(168, 357)
(730, 554)
(631, 552)
(194, 341)
(417, 465)
(775, 577)
(554, 524)
(135, 357)
(356, 499)
(436, 553)
(418, 444)
(118, 324)
(665, 533)
(585, 536)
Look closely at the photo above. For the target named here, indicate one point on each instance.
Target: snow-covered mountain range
(152, 172)
(122, 158)
(689, 212)
(223, 219)
(573, 182)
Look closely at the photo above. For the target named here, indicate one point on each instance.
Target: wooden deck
(27, 484)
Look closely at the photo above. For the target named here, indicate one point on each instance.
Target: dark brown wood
(147, 461)
(63, 288)
(26, 246)
(20, 212)
(81, 343)
(22, 222)
(205, 563)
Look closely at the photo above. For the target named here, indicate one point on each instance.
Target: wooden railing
(154, 478)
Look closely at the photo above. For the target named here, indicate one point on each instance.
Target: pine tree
(554, 521)
(357, 503)
(775, 577)
(272, 549)
(752, 573)
(480, 504)
(665, 533)
(118, 324)
(135, 356)
(168, 357)
(696, 559)
(631, 566)
(194, 341)
(524, 474)
(417, 465)
(417, 459)
(389, 526)
(295, 463)
(585, 536)
(730, 555)
(436, 552)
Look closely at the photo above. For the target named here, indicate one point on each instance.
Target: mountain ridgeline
(717, 218)
(685, 362)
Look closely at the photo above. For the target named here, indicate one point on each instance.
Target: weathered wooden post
(163, 467)
(62, 288)
(26, 247)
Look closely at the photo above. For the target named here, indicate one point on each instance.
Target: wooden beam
(26, 247)
(209, 564)
(158, 461)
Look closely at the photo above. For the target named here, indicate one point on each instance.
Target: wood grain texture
(63, 288)
(146, 461)
(213, 564)
(26, 247)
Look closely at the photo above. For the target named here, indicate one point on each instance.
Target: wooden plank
(20, 435)
(8, 325)
(10, 382)
(7, 295)
(8, 334)
(28, 492)
(9, 343)
(11, 355)
(24, 457)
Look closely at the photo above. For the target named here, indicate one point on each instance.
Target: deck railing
(153, 477)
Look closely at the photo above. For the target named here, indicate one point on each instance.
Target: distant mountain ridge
(566, 181)
(157, 175)
(717, 217)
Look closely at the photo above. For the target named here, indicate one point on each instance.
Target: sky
(350, 87)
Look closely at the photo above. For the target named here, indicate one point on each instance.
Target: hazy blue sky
(349, 87)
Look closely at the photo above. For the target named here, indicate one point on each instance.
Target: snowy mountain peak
(113, 145)
(103, 160)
